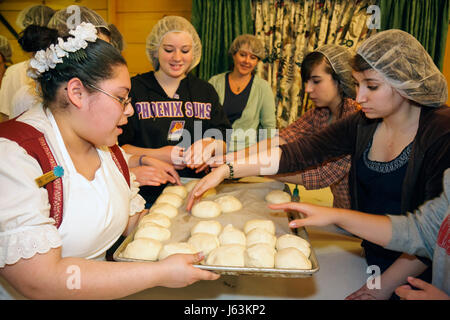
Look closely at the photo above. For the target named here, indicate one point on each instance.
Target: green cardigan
(258, 113)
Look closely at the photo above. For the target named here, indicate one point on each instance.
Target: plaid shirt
(332, 173)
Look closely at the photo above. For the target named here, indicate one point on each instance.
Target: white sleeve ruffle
(137, 202)
(25, 243)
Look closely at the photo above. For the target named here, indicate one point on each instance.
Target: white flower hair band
(45, 60)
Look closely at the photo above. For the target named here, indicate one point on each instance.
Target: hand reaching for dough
(201, 151)
(178, 270)
(209, 181)
(150, 176)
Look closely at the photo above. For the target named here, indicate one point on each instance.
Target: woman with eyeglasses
(66, 192)
(177, 117)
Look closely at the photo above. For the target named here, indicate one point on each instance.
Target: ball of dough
(260, 255)
(170, 198)
(176, 247)
(190, 185)
(231, 255)
(267, 225)
(152, 231)
(207, 226)
(178, 190)
(206, 209)
(229, 204)
(204, 242)
(278, 196)
(293, 241)
(156, 218)
(143, 249)
(291, 258)
(209, 192)
(164, 208)
(231, 235)
(259, 235)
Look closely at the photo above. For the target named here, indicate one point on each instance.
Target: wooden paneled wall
(133, 18)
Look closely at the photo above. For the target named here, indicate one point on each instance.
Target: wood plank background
(133, 18)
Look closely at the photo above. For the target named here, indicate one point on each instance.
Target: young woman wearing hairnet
(399, 142)
(16, 75)
(84, 83)
(247, 99)
(178, 118)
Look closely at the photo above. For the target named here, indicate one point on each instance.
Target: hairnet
(62, 17)
(38, 15)
(116, 37)
(406, 66)
(172, 24)
(5, 49)
(255, 45)
(339, 58)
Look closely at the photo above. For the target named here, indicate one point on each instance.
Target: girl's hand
(427, 291)
(314, 215)
(209, 181)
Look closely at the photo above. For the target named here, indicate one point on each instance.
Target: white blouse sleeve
(25, 226)
(137, 202)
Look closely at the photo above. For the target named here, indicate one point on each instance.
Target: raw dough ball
(170, 198)
(209, 192)
(190, 185)
(231, 255)
(259, 235)
(206, 209)
(267, 225)
(164, 208)
(178, 190)
(231, 235)
(156, 218)
(176, 247)
(204, 242)
(208, 226)
(144, 249)
(229, 203)
(293, 241)
(291, 258)
(260, 255)
(278, 196)
(152, 231)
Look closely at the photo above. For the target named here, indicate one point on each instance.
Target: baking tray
(262, 272)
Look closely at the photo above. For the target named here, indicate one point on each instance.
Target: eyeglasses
(123, 101)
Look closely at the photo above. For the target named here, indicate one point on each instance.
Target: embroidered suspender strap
(120, 162)
(34, 143)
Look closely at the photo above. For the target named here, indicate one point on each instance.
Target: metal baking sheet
(254, 207)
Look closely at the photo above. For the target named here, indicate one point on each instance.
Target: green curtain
(218, 22)
(427, 20)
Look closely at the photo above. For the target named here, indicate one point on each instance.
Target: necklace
(238, 85)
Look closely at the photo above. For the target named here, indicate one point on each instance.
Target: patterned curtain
(290, 30)
(218, 22)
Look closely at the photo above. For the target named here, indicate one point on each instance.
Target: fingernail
(293, 225)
